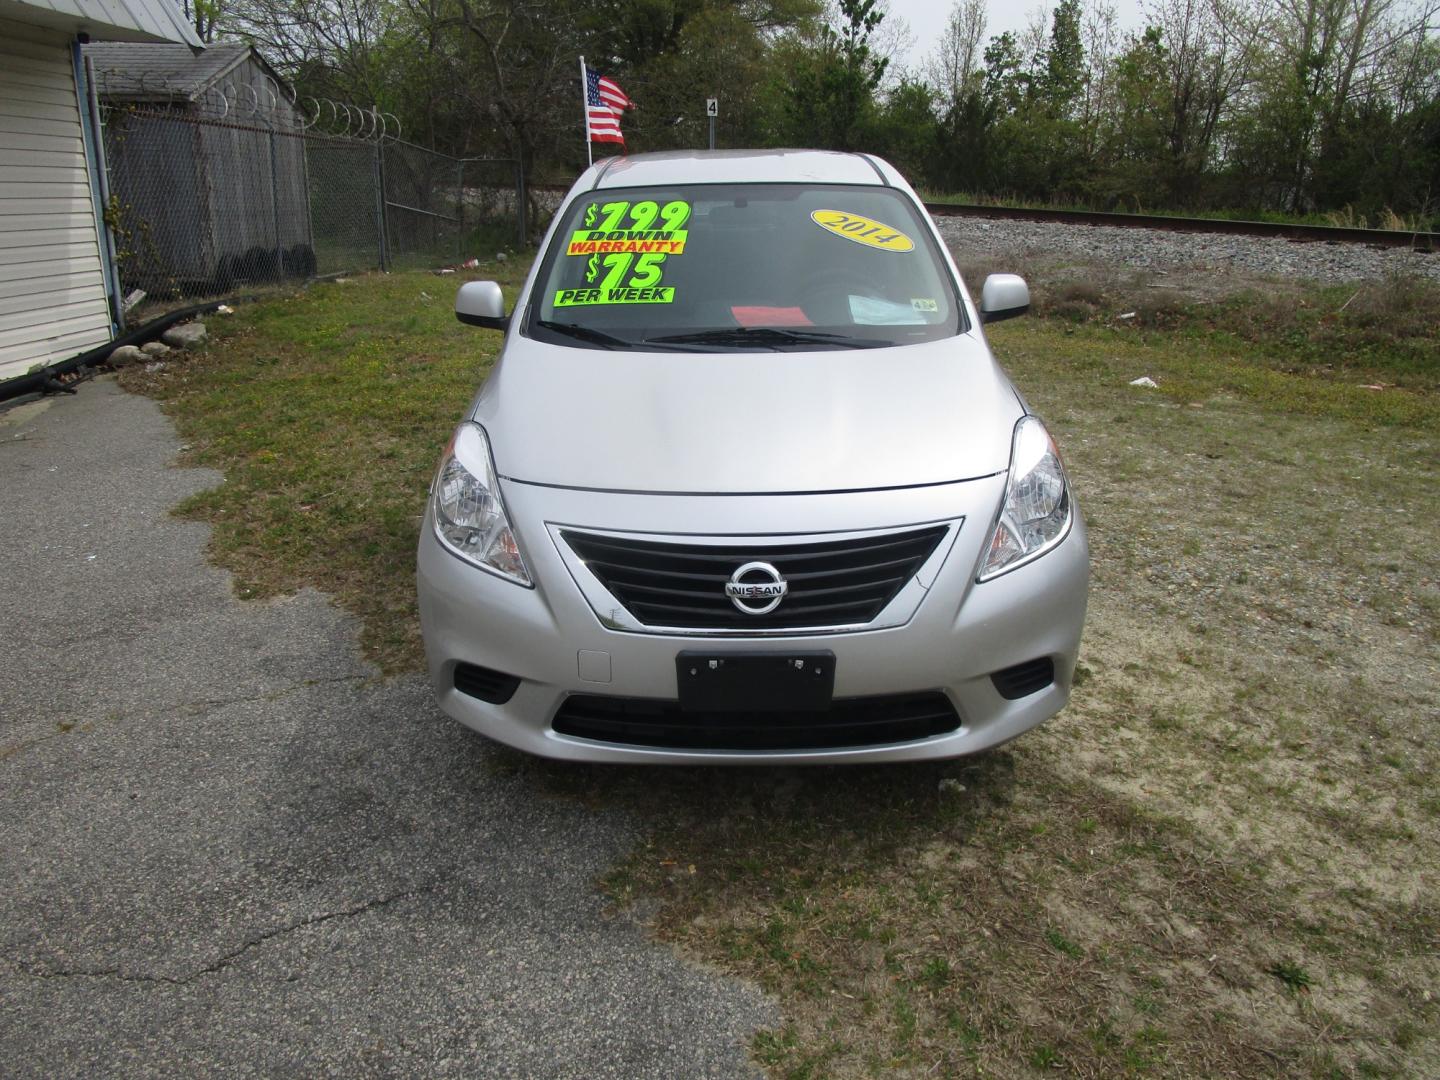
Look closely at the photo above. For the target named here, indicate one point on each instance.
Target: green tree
(1062, 79)
(906, 131)
(1137, 149)
(204, 15)
(1007, 82)
(1035, 146)
(827, 82)
(691, 51)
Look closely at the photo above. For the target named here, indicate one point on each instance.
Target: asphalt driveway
(226, 846)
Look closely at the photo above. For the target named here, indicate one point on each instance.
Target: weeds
(1295, 978)
(1375, 338)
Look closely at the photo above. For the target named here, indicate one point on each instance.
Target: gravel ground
(1032, 241)
(975, 239)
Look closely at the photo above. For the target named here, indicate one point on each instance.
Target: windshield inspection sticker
(632, 228)
(863, 230)
(874, 311)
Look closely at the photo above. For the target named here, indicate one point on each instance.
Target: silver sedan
(747, 485)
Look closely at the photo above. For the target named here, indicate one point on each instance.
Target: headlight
(469, 516)
(1035, 515)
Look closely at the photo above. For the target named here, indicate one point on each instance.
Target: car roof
(740, 166)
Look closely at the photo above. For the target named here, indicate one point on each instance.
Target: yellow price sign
(863, 230)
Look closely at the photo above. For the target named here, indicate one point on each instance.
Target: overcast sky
(927, 20)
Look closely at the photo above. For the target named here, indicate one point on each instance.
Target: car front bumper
(961, 633)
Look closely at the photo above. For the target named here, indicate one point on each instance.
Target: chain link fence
(199, 204)
(346, 208)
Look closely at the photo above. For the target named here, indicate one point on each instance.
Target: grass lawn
(1220, 861)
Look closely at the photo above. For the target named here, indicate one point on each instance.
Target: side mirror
(1003, 297)
(480, 303)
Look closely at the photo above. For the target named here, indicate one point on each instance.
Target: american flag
(604, 102)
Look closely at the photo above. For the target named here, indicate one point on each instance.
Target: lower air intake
(485, 684)
(870, 721)
(1025, 679)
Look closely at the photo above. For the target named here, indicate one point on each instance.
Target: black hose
(46, 379)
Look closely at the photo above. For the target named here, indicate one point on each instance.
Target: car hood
(753, 422)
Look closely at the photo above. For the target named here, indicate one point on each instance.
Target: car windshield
(741, 267)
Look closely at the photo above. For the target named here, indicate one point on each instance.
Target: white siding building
(56, 280)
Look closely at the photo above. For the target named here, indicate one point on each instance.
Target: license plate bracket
(754, 681)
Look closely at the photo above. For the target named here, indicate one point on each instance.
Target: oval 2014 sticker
(863, 230)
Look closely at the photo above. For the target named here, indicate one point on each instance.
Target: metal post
(380, 202)
(585, 113)
(304, 144)
(459, 211)
(111, 267)
(712, 110)
(520, 207)
(275, 204)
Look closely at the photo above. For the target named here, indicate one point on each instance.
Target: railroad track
(1428, 242)
(1324, 234)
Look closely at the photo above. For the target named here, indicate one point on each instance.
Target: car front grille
(868, 721)
(831, 583)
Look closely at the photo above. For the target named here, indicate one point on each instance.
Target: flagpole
(585, 113)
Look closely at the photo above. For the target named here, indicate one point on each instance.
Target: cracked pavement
(228, 847)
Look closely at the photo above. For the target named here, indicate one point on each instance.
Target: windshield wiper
(585, 333)
(768, 337)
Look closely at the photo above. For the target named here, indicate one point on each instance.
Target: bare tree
(1034, 40)
(1100, 35)
(958, 56)
(528, 54)
(328, 44)
(1317, 58)
(1206, 66)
